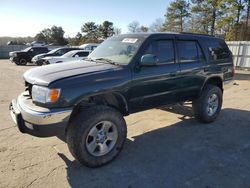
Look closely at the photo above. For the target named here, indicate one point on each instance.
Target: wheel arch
(114, 100)
(215, 80)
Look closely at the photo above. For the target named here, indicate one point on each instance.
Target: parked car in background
(38, 59)
(25, 56)
(89, 46)
(69, 56)
(38, 43)
(14, 43)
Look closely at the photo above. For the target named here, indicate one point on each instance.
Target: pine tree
(176, 16)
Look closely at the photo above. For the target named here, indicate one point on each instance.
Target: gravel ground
(165, 147)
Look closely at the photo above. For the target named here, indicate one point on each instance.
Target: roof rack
(197, 34)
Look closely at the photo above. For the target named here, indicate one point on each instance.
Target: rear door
(220, 58)
(192, 61)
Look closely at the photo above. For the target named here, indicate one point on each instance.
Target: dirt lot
(165, 147)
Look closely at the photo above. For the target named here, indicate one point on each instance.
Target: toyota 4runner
(125, 74)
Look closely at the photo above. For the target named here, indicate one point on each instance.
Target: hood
(14, 52)
(47, 74)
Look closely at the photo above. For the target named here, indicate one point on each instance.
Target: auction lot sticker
(129, 40)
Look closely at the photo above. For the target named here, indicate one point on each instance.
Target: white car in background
(89, 46)
(38, 43)
(69, 56)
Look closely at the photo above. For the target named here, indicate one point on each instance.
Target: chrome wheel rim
(101, 138)
(213, 104)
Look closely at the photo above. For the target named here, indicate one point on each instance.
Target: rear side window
(82, 54)
(42, 50)
(218, 50)
(189, 51)
(163, 50)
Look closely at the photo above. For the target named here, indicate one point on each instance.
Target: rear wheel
(96, 136)
(208, 106)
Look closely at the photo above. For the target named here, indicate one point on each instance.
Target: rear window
(218, 50)
(189, 51)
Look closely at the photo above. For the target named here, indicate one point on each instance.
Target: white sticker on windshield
(129, 40)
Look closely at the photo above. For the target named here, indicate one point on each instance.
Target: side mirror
(148, 60)
(76, 55)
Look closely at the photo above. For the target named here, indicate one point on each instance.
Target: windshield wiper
(109, 61)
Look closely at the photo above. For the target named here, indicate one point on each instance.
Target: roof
(146, 35)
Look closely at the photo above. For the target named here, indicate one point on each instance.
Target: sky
(20, 18)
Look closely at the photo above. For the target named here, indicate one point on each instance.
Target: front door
(154, 86)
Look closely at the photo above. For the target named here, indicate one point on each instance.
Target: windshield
(27, 49)
(117, 49)
(53, 51)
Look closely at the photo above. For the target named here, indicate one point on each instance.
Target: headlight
(35, 58)
(44, 94)
(39, 57)
(14, 55)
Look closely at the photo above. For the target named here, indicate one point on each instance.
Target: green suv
(123, 75)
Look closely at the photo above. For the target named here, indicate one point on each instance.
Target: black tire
(200, 105)
(39, 62)
(17, 62)
(79, 129)
(22, 61)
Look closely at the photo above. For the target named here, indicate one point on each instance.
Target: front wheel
(39, 62)
(96, 136)
(208, 106)
(23, 61)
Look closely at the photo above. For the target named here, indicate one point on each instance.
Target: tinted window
(163, 50)
(40, 50)
(189, 51)
(60, 52)
(82, 54)
(218, 50)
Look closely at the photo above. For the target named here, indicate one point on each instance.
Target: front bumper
(38, 121)
(37, 61)
(12, 59)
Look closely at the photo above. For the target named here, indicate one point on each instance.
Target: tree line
(90, 33)
(224, 18)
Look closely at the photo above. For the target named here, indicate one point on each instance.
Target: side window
(93, 47)
(218, 50)
(82, 54)
(36, 51)
(60, 52)
(41, 50)
(189, 51)
(163, 50)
